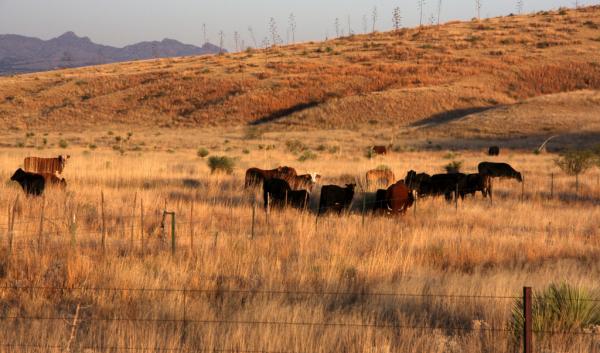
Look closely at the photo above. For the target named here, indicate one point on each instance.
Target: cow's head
(18, 175)
(314, 177)
(62, 159)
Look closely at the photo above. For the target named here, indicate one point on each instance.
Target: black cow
(499, 170)
(32, 183)
(443, 184)
(472, 183)
(278, 193)
(334, 197)
(415, 181)
(494, 151)
(381, 204)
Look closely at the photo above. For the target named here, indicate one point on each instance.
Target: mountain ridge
(22, 54)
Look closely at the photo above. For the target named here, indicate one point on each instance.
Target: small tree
(374, 18)
(397, 19)
(276, 39)
(575, 162)
(420, 6)
(221, 164)
(520, 6)
(292, 26)
(251, 31)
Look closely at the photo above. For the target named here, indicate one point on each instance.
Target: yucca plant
(559, 308)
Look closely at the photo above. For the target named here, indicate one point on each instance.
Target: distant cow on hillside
(336, 198)
(494, 151)
(379, 150)
(256, 176)
(380, 177)
(32, 183)
(499, 170)
(54, 165)
(278, 193)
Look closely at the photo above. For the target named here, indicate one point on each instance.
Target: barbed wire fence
(184, 319)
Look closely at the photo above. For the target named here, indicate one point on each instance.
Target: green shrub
(560, 307)
(221, 164)
(307, 155)
(246, 151)
(295, 146)
(92, 146)
(63, 144)
(253, 133)
(453, 167)
(202, 152)
(369, 153)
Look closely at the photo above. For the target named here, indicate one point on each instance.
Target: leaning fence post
(528, 323)
(103, 221)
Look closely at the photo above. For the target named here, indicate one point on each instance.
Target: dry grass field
(443, 278)
(298, 285)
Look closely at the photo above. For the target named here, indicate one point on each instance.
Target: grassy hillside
(392, 78)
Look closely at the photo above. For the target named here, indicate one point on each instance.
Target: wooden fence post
(142, 225)
(173, 245)
(528, 323)
(192, 226)
(456, 198)
(551, 185)
(103, 221)
(415, 208)
(73, 329)
(523, 190)
(253, 217)
(73, 229)
(133, 220)
(364, 205)
(41, 228)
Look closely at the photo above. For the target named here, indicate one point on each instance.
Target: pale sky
(122, 22)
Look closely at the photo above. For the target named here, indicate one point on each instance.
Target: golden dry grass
(388, 78)
(479, 249)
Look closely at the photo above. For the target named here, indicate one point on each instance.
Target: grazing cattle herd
(283, 187)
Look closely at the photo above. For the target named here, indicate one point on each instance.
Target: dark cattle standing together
(472, 183)
(278, 193)
(54, 165)
(499, 170)
(32, 183)
(336, 198)
(435, 185)
(494, 151)
(256, 176)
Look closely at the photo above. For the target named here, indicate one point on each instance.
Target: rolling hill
(401, 79)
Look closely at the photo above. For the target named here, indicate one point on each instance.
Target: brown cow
(399, 198)
(377, 177)
(304, 181)
(54, 165)
(256, 176)
(380, 150)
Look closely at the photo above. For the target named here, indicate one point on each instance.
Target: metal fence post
(528, 324)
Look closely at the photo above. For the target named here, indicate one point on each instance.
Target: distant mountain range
(20, 54)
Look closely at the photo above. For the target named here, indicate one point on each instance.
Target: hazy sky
(122, 22)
